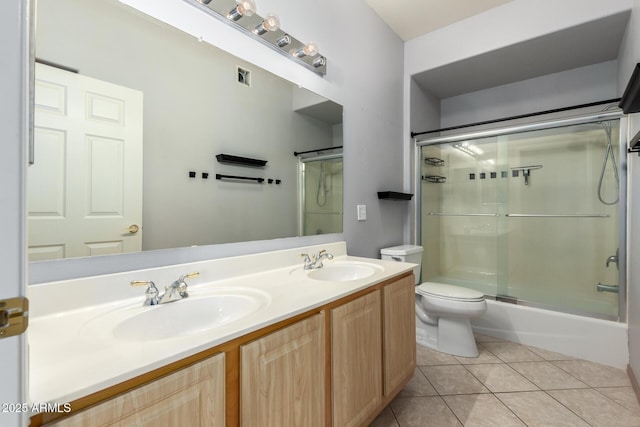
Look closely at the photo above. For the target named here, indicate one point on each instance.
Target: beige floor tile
(538, 409)
(481, 410)
(418, 386)
(500, 378)
(385, 419)
(453, 379)
(486, 338)
(623, 396)
(511, 352)
(547, 376)
(484, 356)
(549, 355)
(423, 411)
(426, 356)
(596, 409)
(594, 374)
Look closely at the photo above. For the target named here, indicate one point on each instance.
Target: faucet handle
(306, 257)
(182, 285)
(189, 276)
(151, 293)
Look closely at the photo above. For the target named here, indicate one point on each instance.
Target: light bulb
(270, 23)
(309, 49)
(243, 8)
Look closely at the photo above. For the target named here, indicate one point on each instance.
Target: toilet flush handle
(395, 258)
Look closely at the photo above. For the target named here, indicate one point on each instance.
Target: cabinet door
(282, 377)
(193, 396)
(356, 350)
(399, 333)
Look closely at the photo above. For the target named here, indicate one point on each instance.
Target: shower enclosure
(532, 214)
(320, 200)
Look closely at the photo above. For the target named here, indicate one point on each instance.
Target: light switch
(362, 212)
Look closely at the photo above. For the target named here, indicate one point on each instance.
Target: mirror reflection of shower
(320, 198)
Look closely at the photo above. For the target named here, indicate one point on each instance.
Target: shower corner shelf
(436, 179)
(240, 161)
(434, 161)
(394, 195)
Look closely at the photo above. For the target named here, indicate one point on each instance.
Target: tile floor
(511, 385)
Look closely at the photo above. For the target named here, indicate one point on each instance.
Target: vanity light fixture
(320, 61)
(283, 41)
(309, 49)
(243, 8)
(270, 23)
(241, 14)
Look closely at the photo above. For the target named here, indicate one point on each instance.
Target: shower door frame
(546, 124)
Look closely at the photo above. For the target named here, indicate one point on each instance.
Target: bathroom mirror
(130, 115)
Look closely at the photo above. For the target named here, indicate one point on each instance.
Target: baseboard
(634, 382)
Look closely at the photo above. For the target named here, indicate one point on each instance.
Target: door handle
(133, 229)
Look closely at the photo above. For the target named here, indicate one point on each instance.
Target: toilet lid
(442, 290)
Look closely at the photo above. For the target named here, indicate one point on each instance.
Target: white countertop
(67, 361)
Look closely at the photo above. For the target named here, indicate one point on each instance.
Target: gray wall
(629, 57)
(573, 87)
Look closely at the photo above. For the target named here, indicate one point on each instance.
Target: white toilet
(443, 312)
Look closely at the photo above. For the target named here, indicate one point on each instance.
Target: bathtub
(596, 340)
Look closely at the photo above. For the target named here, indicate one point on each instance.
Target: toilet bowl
(443, 317)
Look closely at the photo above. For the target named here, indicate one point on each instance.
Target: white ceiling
(412, 18)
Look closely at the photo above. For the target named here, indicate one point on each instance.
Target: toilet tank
(405, 253)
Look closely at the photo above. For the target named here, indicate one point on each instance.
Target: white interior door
(84, 190)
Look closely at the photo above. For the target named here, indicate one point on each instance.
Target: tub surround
(88, 363)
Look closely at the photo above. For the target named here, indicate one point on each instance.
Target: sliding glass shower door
(530, 216)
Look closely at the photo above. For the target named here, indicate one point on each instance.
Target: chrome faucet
(315, 261)
(174, 292)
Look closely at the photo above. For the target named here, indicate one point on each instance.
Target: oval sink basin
(185, 317)
(344, 272)
(197, 313)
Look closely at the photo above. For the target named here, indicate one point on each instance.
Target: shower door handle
(613, 258)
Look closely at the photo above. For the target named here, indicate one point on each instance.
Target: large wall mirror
(130, 115)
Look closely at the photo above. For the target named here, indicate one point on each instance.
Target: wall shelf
(240, 161)
(394, 195)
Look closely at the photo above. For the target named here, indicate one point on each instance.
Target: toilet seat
(449, 292)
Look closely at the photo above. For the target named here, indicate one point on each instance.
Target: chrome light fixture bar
(241, 15)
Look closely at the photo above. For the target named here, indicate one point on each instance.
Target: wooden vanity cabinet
(373, 351)
(399, 333)
(192, 396)
(356, 360)
(337, 365)
(282, 377)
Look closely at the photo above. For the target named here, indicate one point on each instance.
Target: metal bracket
(14, 316)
